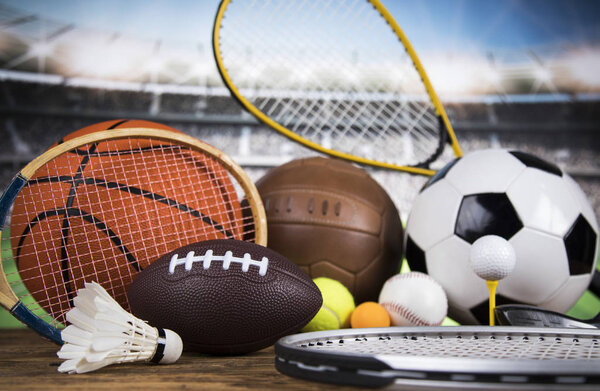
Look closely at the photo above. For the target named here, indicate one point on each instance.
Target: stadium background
(514, 74)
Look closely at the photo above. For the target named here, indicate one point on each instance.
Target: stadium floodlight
(250, 74)
(492, 75)
(103, 60)
(350, 76)
(583, 67)
(541, 74)
(41, 49)
(154, 64)
(304, 77)
(202, 69)
(452, 76)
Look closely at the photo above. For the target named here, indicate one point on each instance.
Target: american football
(225, 296)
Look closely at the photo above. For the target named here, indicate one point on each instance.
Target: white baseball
(414, 299)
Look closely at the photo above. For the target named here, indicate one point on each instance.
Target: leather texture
(225, 305)
(333, 220)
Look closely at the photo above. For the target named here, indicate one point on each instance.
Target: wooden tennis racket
(339, 77)
(103, 206)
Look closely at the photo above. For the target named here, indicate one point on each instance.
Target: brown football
(225, 296)
(333, 220)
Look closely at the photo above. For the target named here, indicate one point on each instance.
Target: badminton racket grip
(22, 313)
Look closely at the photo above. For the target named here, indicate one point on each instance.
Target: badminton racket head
(339, 77)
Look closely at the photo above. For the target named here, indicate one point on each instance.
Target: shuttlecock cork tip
(169, 347)
(492, 257)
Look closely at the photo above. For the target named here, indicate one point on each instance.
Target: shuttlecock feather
(102, 333)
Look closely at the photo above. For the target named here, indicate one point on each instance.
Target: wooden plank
(28, 362)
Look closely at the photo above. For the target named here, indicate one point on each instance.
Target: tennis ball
(370, 314)
(337, 307)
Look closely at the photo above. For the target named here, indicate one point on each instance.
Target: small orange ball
(369, 314)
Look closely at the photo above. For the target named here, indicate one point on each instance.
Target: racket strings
(149, 202)
(369, 124)
(332, 71)
(503, 347)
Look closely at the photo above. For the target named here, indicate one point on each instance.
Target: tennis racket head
(103, 206)
(446, 357)
(339, 77)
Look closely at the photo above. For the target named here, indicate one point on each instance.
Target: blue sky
(499, 23)
(452, 25)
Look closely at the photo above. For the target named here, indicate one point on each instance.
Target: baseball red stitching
(412, 275)
(406, 313)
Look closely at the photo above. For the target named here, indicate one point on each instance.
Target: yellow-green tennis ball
(337, 307)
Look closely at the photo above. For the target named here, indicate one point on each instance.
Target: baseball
(414, 299)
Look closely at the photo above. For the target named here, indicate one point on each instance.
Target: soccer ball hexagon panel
(539, 209)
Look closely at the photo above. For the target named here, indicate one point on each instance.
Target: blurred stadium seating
(36, 114)
(538, 100)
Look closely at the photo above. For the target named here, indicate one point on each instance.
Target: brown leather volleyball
(332, 219)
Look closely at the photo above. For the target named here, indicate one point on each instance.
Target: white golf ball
(492, 257)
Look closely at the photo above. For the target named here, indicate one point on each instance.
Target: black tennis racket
(472, 357)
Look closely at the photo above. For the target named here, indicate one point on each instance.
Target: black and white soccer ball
(531, 203)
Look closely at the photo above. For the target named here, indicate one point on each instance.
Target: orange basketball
(115, 124)
(107, 210)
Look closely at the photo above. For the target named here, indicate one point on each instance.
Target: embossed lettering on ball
(225, 296)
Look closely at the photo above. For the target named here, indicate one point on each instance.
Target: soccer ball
(531, 203)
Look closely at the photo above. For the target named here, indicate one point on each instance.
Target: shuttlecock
(492, 258)
(102, 333)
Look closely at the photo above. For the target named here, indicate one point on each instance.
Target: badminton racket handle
(22, 313)
(492, 285)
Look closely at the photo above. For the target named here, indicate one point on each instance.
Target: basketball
(134, 212)
(333, 220)
(112, 125)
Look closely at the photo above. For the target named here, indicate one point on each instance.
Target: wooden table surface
(28, 362)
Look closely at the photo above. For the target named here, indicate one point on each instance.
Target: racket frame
(440, 112)
(10, 301)
(378, 370)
